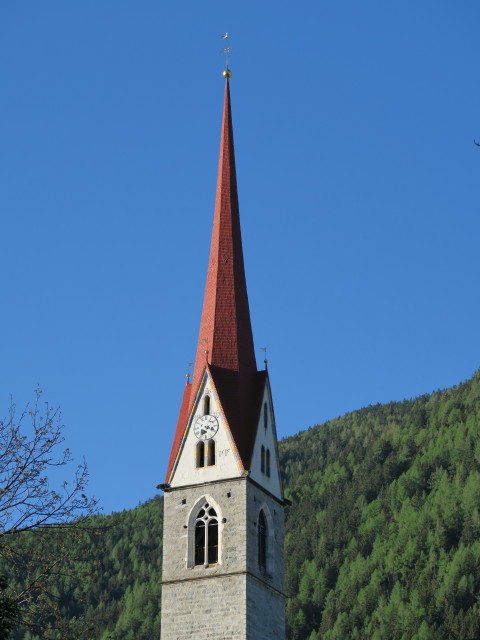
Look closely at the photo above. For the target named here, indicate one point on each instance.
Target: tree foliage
(383, 531)
(119, 597)
(40, 522)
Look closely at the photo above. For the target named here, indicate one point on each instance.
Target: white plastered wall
(267, 438)
(226, 465)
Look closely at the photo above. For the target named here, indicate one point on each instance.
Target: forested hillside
(118, 597)
(382, 535)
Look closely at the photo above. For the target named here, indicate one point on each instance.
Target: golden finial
(226, 52)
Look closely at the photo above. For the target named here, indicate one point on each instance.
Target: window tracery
(206, 536)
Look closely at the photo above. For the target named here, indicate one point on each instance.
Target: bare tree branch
(43, 522)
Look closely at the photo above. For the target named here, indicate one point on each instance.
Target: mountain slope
(118, 596)
(382, 534)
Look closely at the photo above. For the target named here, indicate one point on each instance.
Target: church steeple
(225, 338)
(225, 342)
(223, 525)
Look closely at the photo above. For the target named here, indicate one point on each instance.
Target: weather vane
(264, 349)
(226, 51)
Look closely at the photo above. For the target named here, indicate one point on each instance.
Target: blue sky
(359, 197)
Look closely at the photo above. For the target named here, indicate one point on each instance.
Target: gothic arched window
(262, 542)
(206, 536)
(262, 459)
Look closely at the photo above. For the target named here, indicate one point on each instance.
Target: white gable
(266, 473)
(226, 466)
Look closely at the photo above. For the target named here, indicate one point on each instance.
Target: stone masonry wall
(210, 609)
(229, 498)
(265, 612)
(257, 500)
(222, 601)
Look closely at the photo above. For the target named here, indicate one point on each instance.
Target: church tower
(223, 566)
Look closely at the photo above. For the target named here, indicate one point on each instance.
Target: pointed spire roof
(225, 328)
(225, 342)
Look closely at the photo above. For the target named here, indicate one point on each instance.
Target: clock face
(205, 427)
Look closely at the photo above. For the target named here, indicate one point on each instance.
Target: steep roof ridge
(225, 338)
(180, 430)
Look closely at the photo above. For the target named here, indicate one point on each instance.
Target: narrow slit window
(267, 463)
(206, 406)
(211, 453)
(212, 550)
(262, 459)
(200, 542)
(262, 542)
(200, 454)
(265, 416)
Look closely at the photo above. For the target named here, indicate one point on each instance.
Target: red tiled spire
(225, 329)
